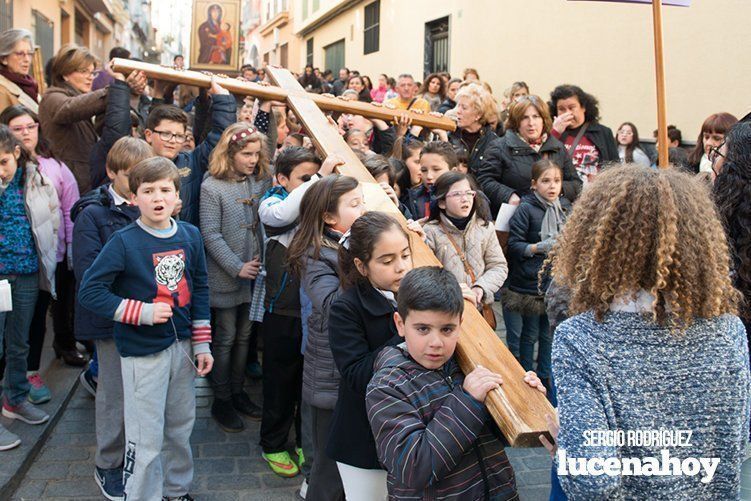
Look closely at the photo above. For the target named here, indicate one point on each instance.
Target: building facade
(606, 48)
(269, 34)
(96, 24)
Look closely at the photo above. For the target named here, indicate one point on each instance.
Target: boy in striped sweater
(433, 433)
(151, 279)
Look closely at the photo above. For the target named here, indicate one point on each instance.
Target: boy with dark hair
(97, 216)
(297, 169)
(433, 434)
(151, 279)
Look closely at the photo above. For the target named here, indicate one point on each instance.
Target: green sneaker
(281, 463)
(300, 457)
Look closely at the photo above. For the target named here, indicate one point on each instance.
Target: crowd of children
(188, 253)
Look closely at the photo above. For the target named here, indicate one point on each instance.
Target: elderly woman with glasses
(67, 110)
(16, 85)
(506, 171)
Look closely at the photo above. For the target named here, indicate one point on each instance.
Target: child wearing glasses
(239, 175)
(462, 237)
(533, 230)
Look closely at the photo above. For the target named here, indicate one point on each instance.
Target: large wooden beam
(518, 409)
(328, 103)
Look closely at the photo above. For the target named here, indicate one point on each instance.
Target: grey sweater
(628, 373)
(232, 235)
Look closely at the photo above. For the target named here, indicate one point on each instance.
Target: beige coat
(66, 117)
(11, 94)
(42, 209)
(480, 246)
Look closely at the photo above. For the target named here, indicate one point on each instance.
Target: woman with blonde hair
(475, 109)
(238, 176)
(653, 342)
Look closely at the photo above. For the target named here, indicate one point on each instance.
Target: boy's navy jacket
(96, 218)
(417, 200)
(361, 324)
(192, 165)
(433, 438)
(137, 268)
(524, 229)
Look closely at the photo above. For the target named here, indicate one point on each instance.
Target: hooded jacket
(433, 438)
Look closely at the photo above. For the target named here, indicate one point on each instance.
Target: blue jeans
(513, 322)
(14, 330)
(534, 329)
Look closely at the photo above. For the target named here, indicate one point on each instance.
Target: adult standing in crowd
(474, 110)
(506, 171)
(433, 90)
(340, 84)
(712, 135)
(68, 109)
(357, 84)
(379, 93)
(105, 78)
(406, 100)
(16, 85)
(731, 163)
(452, 87)
(589, 143)
(309, 81)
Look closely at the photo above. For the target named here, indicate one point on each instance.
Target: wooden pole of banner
(518, 409)
(662, 124)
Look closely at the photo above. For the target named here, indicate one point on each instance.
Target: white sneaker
(304, 489)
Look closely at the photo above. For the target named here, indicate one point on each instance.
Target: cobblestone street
(227, 466)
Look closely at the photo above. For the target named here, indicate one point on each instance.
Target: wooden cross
(518, 409)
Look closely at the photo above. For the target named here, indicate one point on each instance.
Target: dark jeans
(38, 330)
(325, 483)
(534, 329)
(513, 322)
(63, 307)
(230, 350)
(282, 380)
(14, 334)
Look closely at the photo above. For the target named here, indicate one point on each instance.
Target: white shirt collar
(117, 198)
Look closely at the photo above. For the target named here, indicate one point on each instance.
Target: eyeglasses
(714, 153)
(468, 194)
(167, 136)
(20, 129)
(23, 53)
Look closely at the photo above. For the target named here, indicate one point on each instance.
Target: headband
(243, 134)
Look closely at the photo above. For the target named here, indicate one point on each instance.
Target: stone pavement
(228, 466)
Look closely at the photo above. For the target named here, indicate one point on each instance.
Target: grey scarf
(552, 221)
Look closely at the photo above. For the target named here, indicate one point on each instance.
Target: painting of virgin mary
(216, 30)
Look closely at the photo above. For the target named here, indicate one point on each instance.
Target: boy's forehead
(432, 317)
(171, 126)
(305, 168)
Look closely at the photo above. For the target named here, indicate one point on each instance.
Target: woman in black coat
(506, 170)
(361, 324)
(475, 108)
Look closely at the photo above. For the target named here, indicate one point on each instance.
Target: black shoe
(226, 416)
(70, 356)
(244, 405)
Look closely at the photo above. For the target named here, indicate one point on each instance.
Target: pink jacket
(67, 192)
(378, 93)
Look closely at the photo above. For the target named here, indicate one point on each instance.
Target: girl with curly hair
(653, 341)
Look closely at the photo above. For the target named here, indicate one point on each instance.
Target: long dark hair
(320, 199)
(17, 110)
(426, 85)
(442, 186)
(8, 144)
(732, 193)
(364, 235)
(718, 123)
(629, 156)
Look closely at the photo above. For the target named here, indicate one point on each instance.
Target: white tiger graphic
(169, 270)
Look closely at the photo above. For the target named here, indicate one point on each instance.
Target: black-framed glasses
(167, 136)
(714, 153)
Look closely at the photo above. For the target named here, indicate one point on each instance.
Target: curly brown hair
(637, 228)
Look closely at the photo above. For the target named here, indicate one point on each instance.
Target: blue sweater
(628, 373)
(18, 252)
(138, 267)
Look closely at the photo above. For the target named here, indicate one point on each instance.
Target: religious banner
(215, 35)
